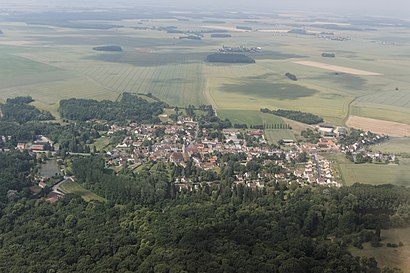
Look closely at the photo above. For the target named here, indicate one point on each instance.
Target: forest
(19, 110)
(221, 228)
(128, 108)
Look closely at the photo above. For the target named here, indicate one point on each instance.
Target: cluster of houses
(318, 170)
(183, 141)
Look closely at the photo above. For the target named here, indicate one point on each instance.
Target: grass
(387, 256)
(376, 174)
(75, 188)
(275, 135)
(101, 143)
(249, 117)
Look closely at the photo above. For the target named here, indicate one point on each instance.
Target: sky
(399, 8)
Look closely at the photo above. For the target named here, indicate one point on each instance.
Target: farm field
(276, 135)
(249, 117)
(51, 63)
(388, 256)
(390, 128)
(376, 174)
(394, 145)
(337, 68)
(77, 189)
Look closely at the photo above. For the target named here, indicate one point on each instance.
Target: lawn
(75, 188)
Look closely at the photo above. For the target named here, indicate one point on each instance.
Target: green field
(376, 174)
(52, 63)
(249, 117)
(75, 188)
(275, 135)
(394, 145)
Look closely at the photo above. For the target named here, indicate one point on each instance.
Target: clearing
(388, 256)
(75, 188)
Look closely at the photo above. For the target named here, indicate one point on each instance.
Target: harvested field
(337, 68)
(379, 126)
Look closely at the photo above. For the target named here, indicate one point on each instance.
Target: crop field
(275, 135)
(77, 189)
(337, 68)
(376, 174)
(52, 63)
(379, 126)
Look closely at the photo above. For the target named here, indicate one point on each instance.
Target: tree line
(299, 116)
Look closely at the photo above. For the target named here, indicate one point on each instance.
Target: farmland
(53, 62)
(276, 135)
(376, 174)
(250, 117)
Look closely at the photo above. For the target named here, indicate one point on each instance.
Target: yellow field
(379, 126)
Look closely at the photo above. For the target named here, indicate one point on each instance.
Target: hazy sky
(365, 7)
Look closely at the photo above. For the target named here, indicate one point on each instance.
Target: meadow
(276, 135)
(388, 256)
(376, 174)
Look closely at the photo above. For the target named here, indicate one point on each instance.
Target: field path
(209, 97)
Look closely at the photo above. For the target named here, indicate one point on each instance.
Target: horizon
(396, 8)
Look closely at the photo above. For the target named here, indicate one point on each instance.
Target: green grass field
(75, 188)
(249, 117)
(52, 63)
(394, 145)
(376, 174)
(275, 135)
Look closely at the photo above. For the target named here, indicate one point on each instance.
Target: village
(185, 141)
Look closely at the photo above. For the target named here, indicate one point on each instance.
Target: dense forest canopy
(221, 228)
(129, 107)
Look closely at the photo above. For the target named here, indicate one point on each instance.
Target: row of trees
(303, 117)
